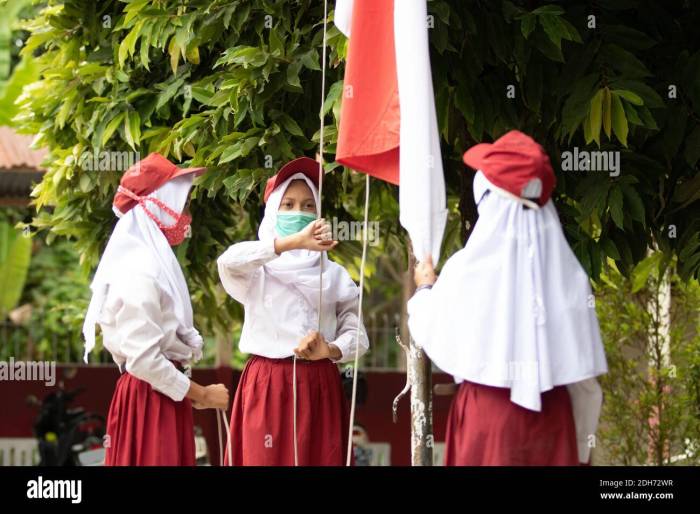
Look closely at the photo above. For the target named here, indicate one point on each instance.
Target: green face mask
(291, 222)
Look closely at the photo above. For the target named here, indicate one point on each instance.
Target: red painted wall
(17, 417)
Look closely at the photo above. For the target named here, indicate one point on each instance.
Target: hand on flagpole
(424, 273)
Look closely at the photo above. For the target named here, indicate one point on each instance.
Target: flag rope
(320, 290)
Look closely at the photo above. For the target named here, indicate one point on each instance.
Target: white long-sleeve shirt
(278, 316)
(139, 329)
(586, 395)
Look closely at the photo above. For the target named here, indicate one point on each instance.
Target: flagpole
(421, 407)
(419, 370)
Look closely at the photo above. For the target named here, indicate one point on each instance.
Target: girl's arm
(346, 339)
(138, 321)
(241, 261)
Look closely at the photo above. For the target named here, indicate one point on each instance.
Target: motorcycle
(67, 436)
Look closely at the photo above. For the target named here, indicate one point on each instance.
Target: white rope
(221, 447)
(221, 416)
(353, 401)
(294, 399)
(362, 265)
(318, 215)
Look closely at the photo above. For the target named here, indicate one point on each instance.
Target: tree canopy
(236, 86)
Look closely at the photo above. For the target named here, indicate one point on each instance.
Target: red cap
(146, 176)
(517, 163)
(304, 165)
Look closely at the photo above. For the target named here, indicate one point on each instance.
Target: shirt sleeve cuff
(346, 345)
(270, 246)
(178, 388)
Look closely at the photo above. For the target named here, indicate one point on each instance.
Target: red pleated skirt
(484, 428)
(262, 432)
(147, 428)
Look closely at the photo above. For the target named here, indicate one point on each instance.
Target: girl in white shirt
(141, 301)
(511, 317)
(277, 279)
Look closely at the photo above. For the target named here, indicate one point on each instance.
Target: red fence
(17, 416)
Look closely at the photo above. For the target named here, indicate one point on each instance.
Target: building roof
(20, 167)
(16, 154)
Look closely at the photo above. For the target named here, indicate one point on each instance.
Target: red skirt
(484, 428)
(262, 431)
(147, 428)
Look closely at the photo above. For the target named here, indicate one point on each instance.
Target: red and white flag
(396, 141)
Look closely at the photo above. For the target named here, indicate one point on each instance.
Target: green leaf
(645, 269)
(66, 108)
(550, 50)
(596, 116)
(615, 206)
(293, 74)
(132, 129)
(554, 28)
(631, 97)
(689, 192)
(276, 44)
(133, 9)
(464, 103)
(15, 254)
(570, 31)
(610, 249)
(607, 112)
(623, 61)
(291, 126)
(85, 183)
(333, 96)
(202, 94)
(26, 72)
(310, 60)
(650, 97)
(632, 115)
(619, 120)
(587, 130)
(111, 127)
(527, 25)
(248, 145)
(647, 118)
(174, 52)
(169, 92)
(578, 104)
(549, 9)
(634, 203)
(231, 153)
(246, 56)
(128, 44)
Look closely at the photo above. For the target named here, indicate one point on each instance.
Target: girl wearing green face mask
(277, 279)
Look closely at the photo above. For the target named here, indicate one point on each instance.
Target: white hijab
(137, 245)
(514, 307)
(300, 268)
